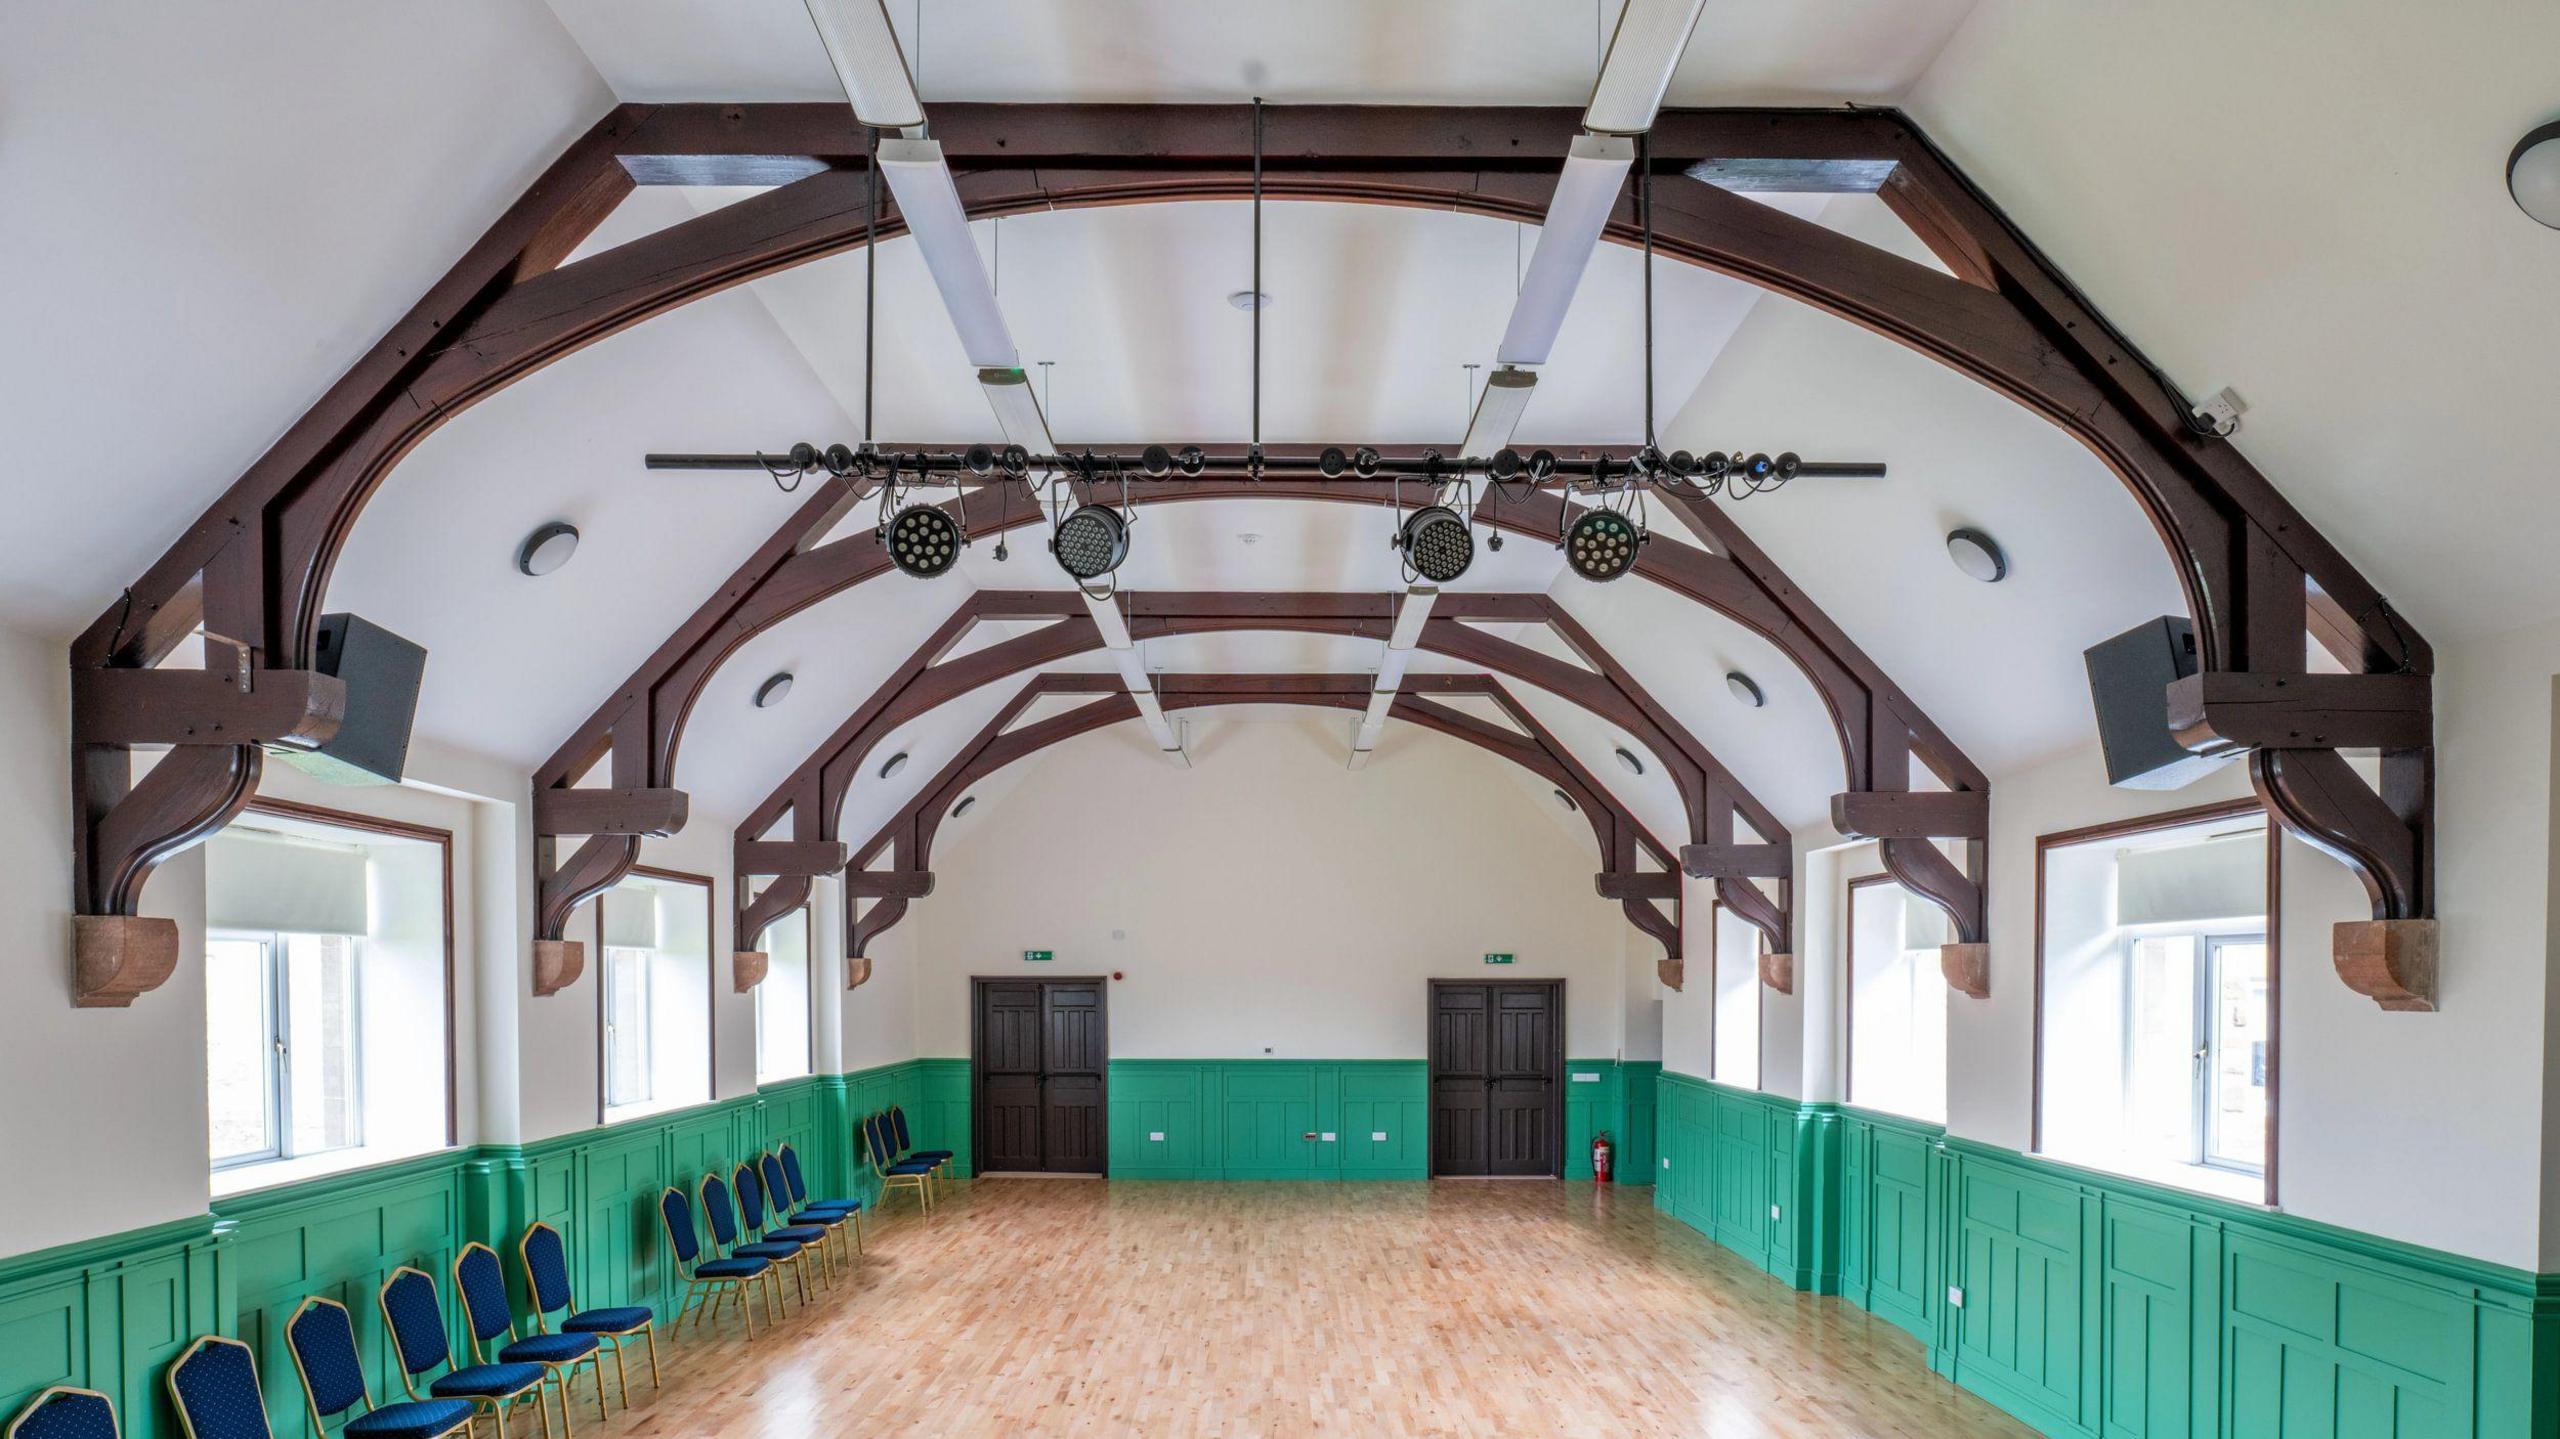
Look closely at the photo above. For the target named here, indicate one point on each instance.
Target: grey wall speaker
(2129, 680)
(381, 671)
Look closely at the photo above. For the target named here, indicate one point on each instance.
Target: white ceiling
(294, 219)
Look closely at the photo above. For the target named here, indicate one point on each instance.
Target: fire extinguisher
(1600, 1153)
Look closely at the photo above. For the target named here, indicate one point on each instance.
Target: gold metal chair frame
(611, 1338)
(709, 1292)
(853, 1219)
(311, 1402)
(922, 1184)
(496, 1404)
(835, 1254)
(737, 1216)
(115, 1426)
(776, 1219)
(561, 1372)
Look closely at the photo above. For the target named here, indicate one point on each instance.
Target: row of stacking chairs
(215, 1382)
(892, 1155)
(764, 1226)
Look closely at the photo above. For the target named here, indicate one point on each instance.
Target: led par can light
(1090, 542)
(1601, 545)
(923, 541)
(1436, 544)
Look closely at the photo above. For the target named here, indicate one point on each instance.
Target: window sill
(247, 1178)
(643, 1109)
(2227, 1184)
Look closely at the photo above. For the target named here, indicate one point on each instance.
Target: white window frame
(2205, 1006)
(648, 1068)
(279, 1048)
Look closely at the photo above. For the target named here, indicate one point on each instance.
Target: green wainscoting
(1250, 1118)
(2095, 1305)
(111, 1313)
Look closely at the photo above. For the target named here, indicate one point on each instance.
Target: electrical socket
(1155, 1136)
(1774, 1213)
(1377, 1136)
(1955, 1297)
(2223, 410)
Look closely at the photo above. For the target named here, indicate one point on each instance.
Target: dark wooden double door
(1497, 1077)
(1039, 1048)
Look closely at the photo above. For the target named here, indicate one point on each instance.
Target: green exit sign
(1497, 959)
(1038, 956)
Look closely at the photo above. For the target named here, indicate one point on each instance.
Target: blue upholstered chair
(786, 1211)
(322, 1336)
(720, 1212)
(709, 1277)
(758, 1222)
(215, 1388)
(798, 1183)
(895, 1173)
(63, 1412)
(491, 1318)
(940, 1159)
(416, 1317)
(546, 1274)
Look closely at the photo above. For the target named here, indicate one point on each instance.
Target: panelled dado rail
(1714, 801)
(252, 571)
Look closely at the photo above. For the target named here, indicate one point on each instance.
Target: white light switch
(1955, 1297)
(1155, 1136)
(1377, 1136)
(1328, 1136)
(1666, 1161)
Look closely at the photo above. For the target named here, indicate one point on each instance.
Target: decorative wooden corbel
(857, 970)
(1967, 968)
(2389, 961)
(557, 963)
(1778, 970)
(1649, 884)
(747, 969)
(119, 956)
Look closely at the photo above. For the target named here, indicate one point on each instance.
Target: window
(783, 1010)
(1897, 1001)
(1734, 958)
(2156, 999)
(326, 941)
(653, 997)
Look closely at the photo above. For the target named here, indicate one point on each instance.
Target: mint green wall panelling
(940, 1117)
(1264, 1113)
(1638, 1086)
(2020, 1261)
(1594, 1102)
(1148, 1098)
(1390, 1098)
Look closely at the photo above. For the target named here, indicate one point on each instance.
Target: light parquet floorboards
(1057, 1307)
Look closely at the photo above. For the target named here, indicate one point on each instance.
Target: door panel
(1072, 1123)
(1521, 1140)
(1009, 1122)
(1496, 1072)
(1074, 1040)
(1458, 1115)
(1042, 1049)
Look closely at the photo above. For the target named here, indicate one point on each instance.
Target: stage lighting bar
(863, 47)
(1643, 52)
(930, 203)
(1549, 470)
(1595, 170)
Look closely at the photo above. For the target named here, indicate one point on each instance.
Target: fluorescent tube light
(1409, 617)
(1498, 411)
(1645, 49)
(1017, 408)
(1586, 194)
(930, 204)
(864, 49)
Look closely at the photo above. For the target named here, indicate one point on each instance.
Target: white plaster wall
(1267, 901)
(880, 1017)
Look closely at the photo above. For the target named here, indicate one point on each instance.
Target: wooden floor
(1458, 1308)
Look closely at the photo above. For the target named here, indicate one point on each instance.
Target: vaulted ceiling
(249, 200)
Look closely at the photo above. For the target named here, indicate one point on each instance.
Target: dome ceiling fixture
(1744, 689)
(967, 803)
(1978, 555)
(1250, 300)
(894, 763)
(1567, 801)
(1628, 761)
(774, 690)
(547, 549)
(2533, 174)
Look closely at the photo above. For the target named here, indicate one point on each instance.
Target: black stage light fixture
(1436, 544)
(923, 541)
(839, 460)
(1090, 542)
(1601, 545)
(1505, 464)
(1016, 460)
(1542, 464)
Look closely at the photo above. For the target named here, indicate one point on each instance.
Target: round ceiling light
(773, 691)
(1744, 688)
(1978, 555)
(1627, 757)
(1090, 542)
(923, 540)
(547, 549)
(2533, 174)
(1567, 801)
(1436, 544)
(1249, 300)
(967, 803)
(893, 764)
(1601, 545)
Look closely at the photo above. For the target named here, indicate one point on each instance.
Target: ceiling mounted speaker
(1601, 545)
(1091, 542)
(1436, 544)
(923, 541)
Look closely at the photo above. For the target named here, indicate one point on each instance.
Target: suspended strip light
(1643, 53)
(1594, 171)
(930, 203)
(863, 47)
(1498, 411)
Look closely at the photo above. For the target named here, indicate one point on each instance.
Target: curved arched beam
(2258, 576)
(908, 836)
(1713, 800)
